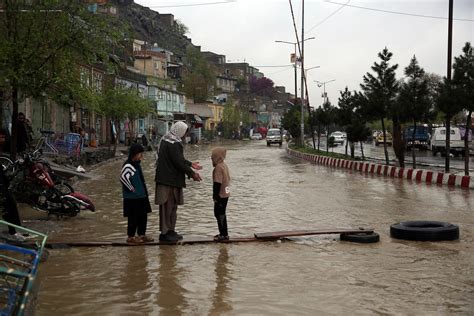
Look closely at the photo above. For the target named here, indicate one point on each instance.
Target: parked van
(438, 141)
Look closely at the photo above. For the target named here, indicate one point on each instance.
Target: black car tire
(424, 231)
(364, 238)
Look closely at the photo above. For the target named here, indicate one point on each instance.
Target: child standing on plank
(220, 191)
(136, 205)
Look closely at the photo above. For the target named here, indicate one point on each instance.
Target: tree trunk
(116, 138)
(14, 135)
(362, 150)
(413, 154)
(327, 139)
(352, 146)
(385, 142)
(398, 143)
(347, 143)
(448, 143)
(319, 136)
(466, 143)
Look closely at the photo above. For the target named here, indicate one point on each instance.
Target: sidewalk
(419, 175)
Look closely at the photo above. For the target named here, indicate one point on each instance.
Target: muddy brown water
(303, 276)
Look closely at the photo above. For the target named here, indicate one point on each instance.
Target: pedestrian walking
(220, 191)
(171, 169)
(136, 205)
(22, 140)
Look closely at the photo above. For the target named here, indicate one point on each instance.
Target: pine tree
(464, 78)
(380, 91)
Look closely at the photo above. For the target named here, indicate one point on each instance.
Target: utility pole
(450, 49)
(302, 74)
(296, 62)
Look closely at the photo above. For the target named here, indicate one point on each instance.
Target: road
(302, 276)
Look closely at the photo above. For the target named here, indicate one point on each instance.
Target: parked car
(338, 137)
(274, 136)
(256, 136)
(379, 139)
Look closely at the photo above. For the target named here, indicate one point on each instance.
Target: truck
(421, 140)
(438, 141)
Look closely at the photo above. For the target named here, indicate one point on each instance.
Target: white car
(256, 136)
(338, 137)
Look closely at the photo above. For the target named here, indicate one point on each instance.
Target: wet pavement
(305, 276)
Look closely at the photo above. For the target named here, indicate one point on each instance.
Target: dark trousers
(137, 223)
(8, 206)
(136, 210)
(219, 212)
(11, 214)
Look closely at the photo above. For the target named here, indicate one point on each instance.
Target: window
(97, 81)
(168, 96)
(174, 98)
(85, 77)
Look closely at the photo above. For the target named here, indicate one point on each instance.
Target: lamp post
(296, 60)
(323, 84)
(302, 80)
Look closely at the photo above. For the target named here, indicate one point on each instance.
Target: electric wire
(396, 12)
(329, 16)
(279, 71)
(191, 5)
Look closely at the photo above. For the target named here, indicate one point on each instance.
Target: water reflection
(220, 302)
(134, 277)
(170, 295)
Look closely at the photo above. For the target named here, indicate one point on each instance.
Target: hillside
(153, 27)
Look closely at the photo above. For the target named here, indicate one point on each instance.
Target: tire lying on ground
(364, 238)
(424, 231)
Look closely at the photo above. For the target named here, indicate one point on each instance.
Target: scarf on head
(175, 135)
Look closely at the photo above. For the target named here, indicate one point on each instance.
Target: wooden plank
(186, 241)
(283, 234)
(190, 240)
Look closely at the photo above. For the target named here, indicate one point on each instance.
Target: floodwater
(304, 276)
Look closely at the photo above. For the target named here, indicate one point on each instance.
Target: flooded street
(304, 276)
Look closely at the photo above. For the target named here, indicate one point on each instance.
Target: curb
(418, 175)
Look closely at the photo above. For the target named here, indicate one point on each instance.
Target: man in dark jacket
(171, 169)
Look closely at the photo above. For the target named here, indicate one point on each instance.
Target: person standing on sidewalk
(220, 191)
(171, 169)
(136, 205)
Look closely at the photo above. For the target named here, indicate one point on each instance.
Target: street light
(323, 84)
(296, 60)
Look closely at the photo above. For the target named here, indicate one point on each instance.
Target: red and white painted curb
(418, 175)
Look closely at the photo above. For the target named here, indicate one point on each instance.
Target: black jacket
(171, 166)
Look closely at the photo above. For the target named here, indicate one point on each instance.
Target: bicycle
(45, 143)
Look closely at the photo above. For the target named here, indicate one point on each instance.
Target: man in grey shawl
(171, 169)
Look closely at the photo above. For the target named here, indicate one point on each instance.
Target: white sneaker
(18, 237)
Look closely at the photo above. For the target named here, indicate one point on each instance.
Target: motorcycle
(32, 183)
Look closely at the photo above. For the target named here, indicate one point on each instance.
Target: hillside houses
(154, 73)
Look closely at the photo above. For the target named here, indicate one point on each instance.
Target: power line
(277, 72)
(329, 16)
(396, 12)
(278, 66)
(192, 5)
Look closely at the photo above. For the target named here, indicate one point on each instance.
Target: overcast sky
(346, 43)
